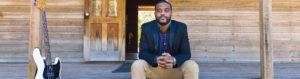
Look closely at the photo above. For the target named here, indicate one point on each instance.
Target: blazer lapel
(155, 31)
(172, 31)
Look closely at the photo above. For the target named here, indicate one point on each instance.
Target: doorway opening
(137, 13)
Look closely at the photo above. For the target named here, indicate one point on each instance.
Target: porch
(104, 70)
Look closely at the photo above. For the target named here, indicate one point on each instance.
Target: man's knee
(138, 64)
(190, 65)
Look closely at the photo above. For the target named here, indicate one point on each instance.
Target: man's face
(163, 13)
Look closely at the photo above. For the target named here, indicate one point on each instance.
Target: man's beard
(168, 19)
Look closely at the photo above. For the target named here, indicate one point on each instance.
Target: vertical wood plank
(266, 46)
(99, 37)
(121, 15)
(104, 25)
(104, 37)
(86, 37)
(34, 38)
(105, 7)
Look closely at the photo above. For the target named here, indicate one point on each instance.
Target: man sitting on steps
(164, 49)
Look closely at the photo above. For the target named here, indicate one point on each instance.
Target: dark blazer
(178, 42)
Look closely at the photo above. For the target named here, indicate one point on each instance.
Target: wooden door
(104, 38)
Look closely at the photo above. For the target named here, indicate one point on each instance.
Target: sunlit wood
(266, 46)
(34, 38)
(105, 34)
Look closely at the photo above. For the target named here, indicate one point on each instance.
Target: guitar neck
(46, 38)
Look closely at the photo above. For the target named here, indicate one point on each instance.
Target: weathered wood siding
(219, 30)
(65, 24)
(228, 30)
(66, 28)
(14, 23)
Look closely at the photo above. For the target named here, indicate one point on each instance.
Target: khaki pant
(140, 69)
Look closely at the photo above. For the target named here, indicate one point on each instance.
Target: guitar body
(41, 72)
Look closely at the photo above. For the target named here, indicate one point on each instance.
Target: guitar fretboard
(46, 37)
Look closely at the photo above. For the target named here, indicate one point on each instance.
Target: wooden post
(266, 46)
(34, 37)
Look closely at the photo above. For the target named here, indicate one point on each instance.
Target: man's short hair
(163, 1)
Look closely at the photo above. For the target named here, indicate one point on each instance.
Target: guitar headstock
(41, 4)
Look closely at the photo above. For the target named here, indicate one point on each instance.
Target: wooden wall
(228, 30)
(66, 28)
(65, 24)
(219, 30)
(14, 29)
